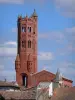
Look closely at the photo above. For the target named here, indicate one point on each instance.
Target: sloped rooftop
(53, 75)
(10, 84)
(64, 94)
(28, 94)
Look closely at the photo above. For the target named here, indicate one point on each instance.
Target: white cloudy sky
(56, 35)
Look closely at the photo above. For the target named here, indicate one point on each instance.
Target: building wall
(43, 76)
(67, 83)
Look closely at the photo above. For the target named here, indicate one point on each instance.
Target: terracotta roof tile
(65, 94)
(53, 75)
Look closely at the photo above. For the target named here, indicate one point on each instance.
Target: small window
(28, 63)
(29, 29)
(23, 29)
(29, 44)
(33, 32)
(65, 85)
(24, 78)
(24, 44)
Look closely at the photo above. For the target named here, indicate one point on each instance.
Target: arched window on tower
(29, 44)
(24, 44)
(24, 80)
(29, 29)
(23, 29)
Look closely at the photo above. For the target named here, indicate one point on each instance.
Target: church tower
(26, 59)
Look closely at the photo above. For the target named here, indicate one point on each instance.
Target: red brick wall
(43, 76)
(27, 56)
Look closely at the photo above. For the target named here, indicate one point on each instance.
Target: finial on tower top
(34, 14)
(19, 16)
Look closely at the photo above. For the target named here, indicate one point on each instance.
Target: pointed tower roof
(58, 76)
(17, 57)
(19, 16)
(34, 14)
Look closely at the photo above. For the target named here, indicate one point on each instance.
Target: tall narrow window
(23, 29)
(29, 44)
(24, 79)
(24, 44)
(29, 29)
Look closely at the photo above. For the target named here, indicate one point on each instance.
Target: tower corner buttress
(17, 62)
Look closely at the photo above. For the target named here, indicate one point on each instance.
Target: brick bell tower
(26, 59)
